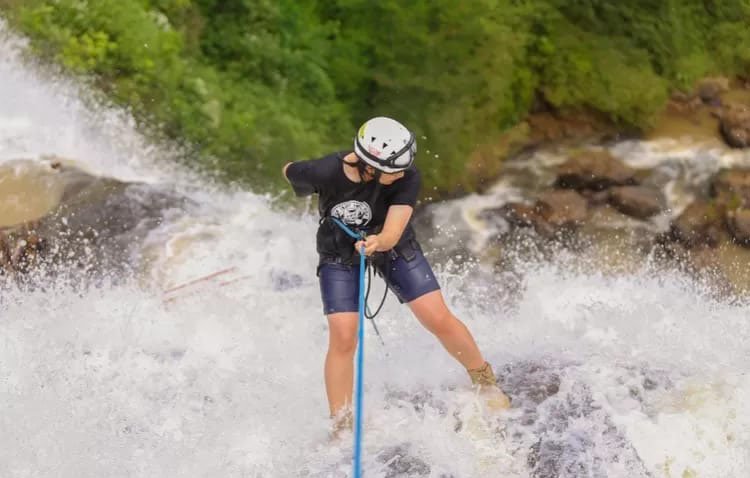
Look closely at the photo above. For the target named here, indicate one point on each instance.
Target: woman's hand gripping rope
(371, 244)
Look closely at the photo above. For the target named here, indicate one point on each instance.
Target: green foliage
(602, 73)
(255, 83)
(450, 73)
(732, 47)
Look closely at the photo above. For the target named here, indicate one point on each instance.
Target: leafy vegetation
(252, 84)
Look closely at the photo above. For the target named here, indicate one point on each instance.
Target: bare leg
(339, 366)
(434, 315)
(432, 312)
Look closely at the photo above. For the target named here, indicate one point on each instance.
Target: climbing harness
(368, 268)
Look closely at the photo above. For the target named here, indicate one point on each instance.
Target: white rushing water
(642, 374)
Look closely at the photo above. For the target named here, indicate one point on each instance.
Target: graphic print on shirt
(352, 213)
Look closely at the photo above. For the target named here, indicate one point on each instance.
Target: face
(385, 178)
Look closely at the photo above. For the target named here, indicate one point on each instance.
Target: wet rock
(701, 263)
(529, 383)
(418, 401)
(5, 254)
(735, 125)
(700, 224)
(738, 223)
(283, 280)
(724, 216)
(95, 225)
(637, 201)
(640, 383)
(595, 170)
(596, 198)
(709, 90)
(399, 461)
(99, 225)
(555, 417)
(706, 267)
(21, 251)
(683, 103)
(519, 215)
(28, 190)
(572, 435)
(556, 211)
(731, 187)
(562, 208)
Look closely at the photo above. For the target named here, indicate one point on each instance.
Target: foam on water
(618, 373)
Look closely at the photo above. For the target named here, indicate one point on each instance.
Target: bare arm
(395, 222)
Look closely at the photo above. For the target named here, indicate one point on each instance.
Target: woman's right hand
(371, 244)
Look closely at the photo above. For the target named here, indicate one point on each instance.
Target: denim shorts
(408, 279)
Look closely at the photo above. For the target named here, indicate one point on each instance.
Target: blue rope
(359, 395)
(359, 386)
(346, 229)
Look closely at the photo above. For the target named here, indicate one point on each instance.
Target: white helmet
(385, 144)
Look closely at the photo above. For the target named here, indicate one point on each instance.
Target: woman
(373, 190)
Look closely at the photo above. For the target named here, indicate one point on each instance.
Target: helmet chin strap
(362, 169)
(376, 174)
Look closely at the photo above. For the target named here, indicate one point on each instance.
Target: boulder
(401, 460)
(22, 251)
(555, 211)
(519, 215)
(709, 90)
(731, 188)
(683, 103)
(700, 224)
(562, 208)
(595, 198)
(637, 201)
(28, 191)
(91, 223)
(574, 435)
(100, 223)
(595, 170)
(735, 125)
(738, 223)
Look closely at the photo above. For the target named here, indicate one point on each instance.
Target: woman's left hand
(371, 243)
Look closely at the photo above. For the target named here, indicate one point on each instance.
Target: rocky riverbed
(577, 185)
(58, 219)
(676, 196)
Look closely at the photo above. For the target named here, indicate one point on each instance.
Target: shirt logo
(352, 213)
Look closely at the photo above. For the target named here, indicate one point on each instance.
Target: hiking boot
(485, 379)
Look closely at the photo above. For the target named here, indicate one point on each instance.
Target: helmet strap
(362, 169)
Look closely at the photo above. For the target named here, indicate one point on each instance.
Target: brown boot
(484, 377)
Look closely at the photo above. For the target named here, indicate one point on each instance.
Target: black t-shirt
(360, 205)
